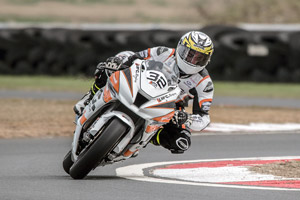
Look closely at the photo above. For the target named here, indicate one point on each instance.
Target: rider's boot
(172, 137)
(80, 105)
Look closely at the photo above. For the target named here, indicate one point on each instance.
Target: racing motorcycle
(123, 116)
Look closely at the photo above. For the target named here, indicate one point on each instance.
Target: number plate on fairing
(156, 79)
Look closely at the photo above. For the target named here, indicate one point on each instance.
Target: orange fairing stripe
(149, 55)
(166, 118)
(173, 51)
(204, 100)
(206, 77)
(82, 119)
(152, 128)
(106, 95)
(115, 80)
(128, 153)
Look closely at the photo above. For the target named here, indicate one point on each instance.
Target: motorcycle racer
(191, 56)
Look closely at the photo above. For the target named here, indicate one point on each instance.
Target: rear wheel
(90, 158)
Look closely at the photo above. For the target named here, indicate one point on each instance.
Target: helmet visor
(192, 56)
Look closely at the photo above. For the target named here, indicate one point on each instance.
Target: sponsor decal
(182, 143)
(166, 97)
(161, 50)
(188, 83)
(153, 84)
(137, 72)
(209, 87)
(112, 66)
(206, 106)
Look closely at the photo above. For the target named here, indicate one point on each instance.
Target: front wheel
(67, 163)
(104, 144)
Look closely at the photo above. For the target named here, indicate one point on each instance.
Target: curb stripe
(230, 163)
(137, 172)
(272, 183)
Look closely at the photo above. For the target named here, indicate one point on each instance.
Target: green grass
(245, 89)
(80, 84)
(18, 18)
(45, 83)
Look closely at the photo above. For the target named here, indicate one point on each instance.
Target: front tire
(68, 162)
(89, 159)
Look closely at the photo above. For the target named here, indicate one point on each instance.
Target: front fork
(95, 104)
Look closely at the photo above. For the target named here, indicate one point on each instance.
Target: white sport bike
(122, 118)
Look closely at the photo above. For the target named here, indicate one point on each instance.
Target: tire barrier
(240, 54)
(260, 56)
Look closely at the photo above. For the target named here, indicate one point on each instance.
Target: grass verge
(81, 84)
(45, 83)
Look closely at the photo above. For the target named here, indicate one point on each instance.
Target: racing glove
(112, 64)
(104, 70)
(99, 70)
(115, 63)
(180, 118)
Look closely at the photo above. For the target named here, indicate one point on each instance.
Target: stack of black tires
(240, 55)
(259, 56)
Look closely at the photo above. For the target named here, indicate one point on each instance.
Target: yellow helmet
(193, 52)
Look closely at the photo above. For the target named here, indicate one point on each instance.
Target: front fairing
(147, 88)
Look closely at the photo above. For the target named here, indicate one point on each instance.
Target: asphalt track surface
(31, 169)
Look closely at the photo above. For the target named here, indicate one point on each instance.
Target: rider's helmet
(193, 52)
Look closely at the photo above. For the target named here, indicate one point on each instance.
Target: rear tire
(68, 162)
(89, 159)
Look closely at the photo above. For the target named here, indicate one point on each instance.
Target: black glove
(177, 140)
(114, 63)
(132, 58)
(180, 117)
(99, 70)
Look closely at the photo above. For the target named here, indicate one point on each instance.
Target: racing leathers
(198, 87)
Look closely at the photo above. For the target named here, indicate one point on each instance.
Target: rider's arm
(203, 95)
(101, 74)
(159, 53)
(156, 53)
